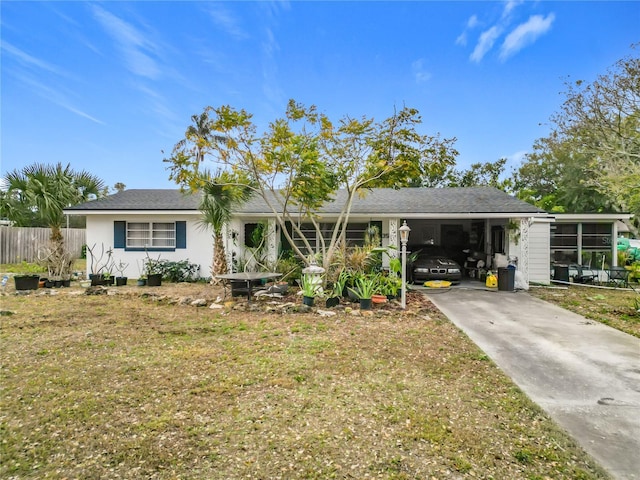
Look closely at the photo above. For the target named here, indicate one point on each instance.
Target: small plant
(98, 265)
(121, 267)
(152, 266)
(340, 283)
(309, 286)
(390, 285)
(365, 286)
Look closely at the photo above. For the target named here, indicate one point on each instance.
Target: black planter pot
(142, 282)
(27, 282)
(365, 304)
(109, 281)
(308, 301)
(66, 283)
(154, 280)
(96, 280)
(332, 302)
(57, 283)
(121, 281)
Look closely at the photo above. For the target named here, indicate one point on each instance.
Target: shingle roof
(376, 201)
(147, 199)
(421, 200)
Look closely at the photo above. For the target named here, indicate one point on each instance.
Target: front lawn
(618, 308)
(128, 387)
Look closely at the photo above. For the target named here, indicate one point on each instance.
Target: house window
(151, 235)
(596, 236)
(355, 234)
(564, 236)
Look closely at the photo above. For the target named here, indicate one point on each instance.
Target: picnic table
(248, 278)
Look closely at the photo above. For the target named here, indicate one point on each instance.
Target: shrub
(180, 271)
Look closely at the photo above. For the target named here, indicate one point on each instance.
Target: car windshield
(428, 251)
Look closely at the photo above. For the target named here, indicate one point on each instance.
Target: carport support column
(523, 260)
(393, 237)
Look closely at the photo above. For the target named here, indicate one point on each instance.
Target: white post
(404, 238)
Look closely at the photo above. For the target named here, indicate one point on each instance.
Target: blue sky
(107, 86)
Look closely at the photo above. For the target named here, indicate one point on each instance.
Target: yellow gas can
(492, 280)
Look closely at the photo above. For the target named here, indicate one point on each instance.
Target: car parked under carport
(432, 262)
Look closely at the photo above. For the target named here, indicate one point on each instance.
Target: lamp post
(404, 238)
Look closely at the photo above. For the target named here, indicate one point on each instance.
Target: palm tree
(44, 191)
(190, 152)
(220, 195)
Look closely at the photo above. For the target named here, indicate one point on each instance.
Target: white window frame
(151, 235)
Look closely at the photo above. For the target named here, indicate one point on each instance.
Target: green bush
(180, 271)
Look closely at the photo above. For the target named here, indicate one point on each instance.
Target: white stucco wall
(199, 242)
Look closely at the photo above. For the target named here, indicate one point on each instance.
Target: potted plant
(309, 288)
(98, 266)
(153, 270)
(338, 288)
(29, 278)
(364, 288)
(107, 278)
(390, 285)
(121, 279)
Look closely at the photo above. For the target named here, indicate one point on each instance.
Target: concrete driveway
(585, 375)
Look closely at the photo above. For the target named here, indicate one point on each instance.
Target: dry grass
(129, 387)
(619, 308)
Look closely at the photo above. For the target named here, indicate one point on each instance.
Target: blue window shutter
(119, 234)
(181, 234)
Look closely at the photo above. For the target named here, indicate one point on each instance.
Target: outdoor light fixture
(404, 238)
(404, 233)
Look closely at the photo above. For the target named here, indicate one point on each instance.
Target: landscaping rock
(199, 302)
(97, 290)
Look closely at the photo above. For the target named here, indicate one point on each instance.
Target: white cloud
(135, 47)
(270, 86)
(420, 74)
(509, 6)
(525, 34)
(56, 96)
(30, 61)
(471, 23)
(485, 43)
(224, 19)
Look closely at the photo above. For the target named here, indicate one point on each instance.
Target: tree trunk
(219, 265)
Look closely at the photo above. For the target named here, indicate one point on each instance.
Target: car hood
(434, 262)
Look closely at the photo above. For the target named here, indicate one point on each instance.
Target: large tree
(303, 159)
(558, 178)
(596, 140)
(44, 191)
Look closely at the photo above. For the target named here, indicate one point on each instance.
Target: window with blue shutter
(181, 234)
(119, 234)
(157, 236)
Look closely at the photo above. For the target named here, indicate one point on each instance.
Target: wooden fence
(23, 243)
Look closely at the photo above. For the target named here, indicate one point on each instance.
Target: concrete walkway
(585, 375)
